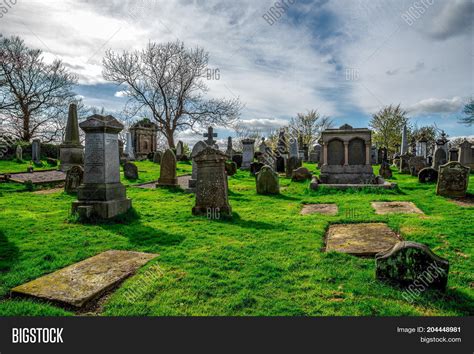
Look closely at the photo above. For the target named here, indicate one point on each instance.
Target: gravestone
(255, 167)
(157, 157)
(230, 168)
(453, 154)
(385, 170)
(101, 195)
(416, 164)
(179, 150)
(305, 152)
(414, 265)
(281, 146)
(247, 153)
(71, 152)
(130, 170)
(74, 178)
(301, 174)
(440, 155)
(237, 158)
(403, 165)
(280, 164)
(36, 151)
(466, 154)
(428, 175)
(262, 148)
(404, 145)
(168, 170)
(129, 150)
(294, 150)
(211, 186)
(374, 157)
(19, 153)
(267, 181)
(453, 179)
(315, 155)
(197, 148)
(143, 134)
(210, 135)
(292, 164)
(230, 149)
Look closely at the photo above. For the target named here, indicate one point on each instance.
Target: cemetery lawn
(266, 261)
(17, 167)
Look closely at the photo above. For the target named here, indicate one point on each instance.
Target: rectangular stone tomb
(366, 239)
(39, 177)
(324, 209)
(80, 283)
(395, 207)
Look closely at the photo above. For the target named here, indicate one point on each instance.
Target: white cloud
(438, 105)
(120, 94)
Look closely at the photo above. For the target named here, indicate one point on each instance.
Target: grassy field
(16, 167)
(267, 260)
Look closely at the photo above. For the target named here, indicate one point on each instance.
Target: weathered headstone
(292, 164)
(74, 178)
(101, 195)
(211, 186)
(374, 157)
(414, 265)
(179, 150)
(197, 148)
(267, 181)
(129, 150)
(36, 151)
(453, 180)
(385, 170)
(255, 167)
(19, 153)
(230, 168)
(404, 145)
(144, 137)
(440, 155)
(453, 154)
(230, 150)
(71, 152)
(294, 149)
(247, 153)
(130, 170)
(168, 170)
(157, 157)
(315, 154)
(428, 175)
(466, 154)
(305, 152)
(237, 158)
(280, 164)
(301, 174)
(416, 164)
(403, 164)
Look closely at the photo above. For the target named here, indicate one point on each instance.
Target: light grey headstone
(248, 153)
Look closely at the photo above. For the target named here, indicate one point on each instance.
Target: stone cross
(210, 135)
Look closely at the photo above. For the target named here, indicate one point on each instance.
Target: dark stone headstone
(74, 178)
(412, 264)
(130, 170)
(453, 179)
(255, 167)
(267, 181)
(168, 170)
(428, 175)
(230, 168)
(416, 164)
(385, 170)
(36, 151)
(157, 157)
(237, 158)
(403, 166)
(292, 164)
(280, 164)
(301, 174)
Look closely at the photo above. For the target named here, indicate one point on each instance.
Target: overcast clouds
(346, 58)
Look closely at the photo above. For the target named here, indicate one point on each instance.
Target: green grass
(14, 166)
(265, 261)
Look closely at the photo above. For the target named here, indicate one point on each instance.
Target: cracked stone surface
(365, 239)
(80, 283)
(395, 207)
(324, 209)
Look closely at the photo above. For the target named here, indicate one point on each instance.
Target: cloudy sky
(346, 58)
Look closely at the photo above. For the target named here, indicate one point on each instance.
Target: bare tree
(307, 127)
(33, 93)
(165, 81)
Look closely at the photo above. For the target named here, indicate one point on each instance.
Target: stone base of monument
(71, 156)
(101, 209)
(79, 284)
(349, 174)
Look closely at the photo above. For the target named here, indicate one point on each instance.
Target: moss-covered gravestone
(74, 178)
(453, 179)
(412, 264)
(267, 181)
(168, 170)
(428, 175)
(130, 170)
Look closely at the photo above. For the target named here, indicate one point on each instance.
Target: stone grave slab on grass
(80, 283)
(395, 207)
(324, 209)
(365, 239)
(39, 177)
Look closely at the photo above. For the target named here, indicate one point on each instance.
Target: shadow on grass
(9, 253)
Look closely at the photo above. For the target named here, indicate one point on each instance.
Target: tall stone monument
(247, 153)
(101, 194)
(168, 170)
(36, 151)
(129, 149)
(211, 186)
(71, 152)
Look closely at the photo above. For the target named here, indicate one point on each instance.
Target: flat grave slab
(395, 207)
(39, 177)
(80, 283)
(324, 209)
(365, 239)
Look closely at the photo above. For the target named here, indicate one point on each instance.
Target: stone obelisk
(71, 152)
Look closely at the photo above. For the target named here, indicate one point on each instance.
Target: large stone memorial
(453, 180)
(168, 170)
(101, 195)
(71, 152)
(412, 264)
(143, 136)
(211, 186)
(346, 156)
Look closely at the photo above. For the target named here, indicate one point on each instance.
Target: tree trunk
(170, 137)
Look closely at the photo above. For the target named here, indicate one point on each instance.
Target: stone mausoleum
(143, 135)
(346, 156)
